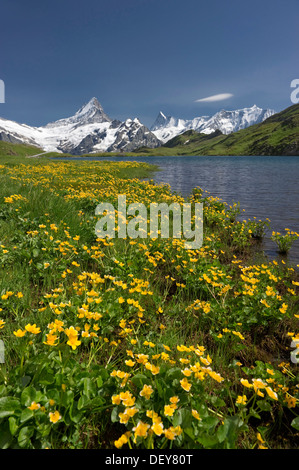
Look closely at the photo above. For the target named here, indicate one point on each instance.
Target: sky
(139, 57)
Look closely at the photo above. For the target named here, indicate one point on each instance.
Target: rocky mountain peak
(89, 113)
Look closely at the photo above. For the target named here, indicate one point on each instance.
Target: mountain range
(165, 128)
(91, 130)
(276, 135)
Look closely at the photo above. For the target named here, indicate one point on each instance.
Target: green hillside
(277, 135)
(13, 152)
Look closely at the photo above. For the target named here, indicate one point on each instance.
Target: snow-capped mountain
(165, 128)
(89, 130)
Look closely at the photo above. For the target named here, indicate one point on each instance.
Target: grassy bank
(137, 343)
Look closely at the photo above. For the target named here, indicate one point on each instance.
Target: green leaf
(114, 415)
(25, 435)
(139, 379)
(217, 402)
(264, 405)
(255, 414)
(89, 387)
(208, 442)
(25, 415)
(28, 396)
(25, 380)
(83, 401)
(75, 415)
(99, 382)
(173, 373)
(183, 418)
(8, 405)
(209, 423)
(13, 426)
(5, 436)
(46, 376)
(67, 398)
(295, 423)
(35, 252)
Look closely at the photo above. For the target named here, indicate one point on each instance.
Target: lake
(266, 187)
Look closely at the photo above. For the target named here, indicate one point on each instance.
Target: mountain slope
(277, 135)
(227, 122)
(89, 130)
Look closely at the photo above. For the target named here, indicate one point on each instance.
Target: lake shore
(138, 343)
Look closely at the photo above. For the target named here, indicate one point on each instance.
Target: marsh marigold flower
(185, 384)
(32, 329)
(55, 416)
(146, 391)
(73, 337)
(169, 409)
(195, 414)
(34, 406)
(19, 333)
(141, 429)
(241, 400)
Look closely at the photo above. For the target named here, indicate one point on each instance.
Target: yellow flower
(169, 410)
(131, 411)
(185, 384)
(116, 399)
(124, 418)
(237, 333)
(271, 393)
(130, 363)
(51, 339)
(32, 329)
(34, 406)
(55, 416)
(246, 383)
(141, 429)
(73, 337)
(154, 369)
(2, 323)
(19, 333)
(174, 400)
(263, 301)
(157, 428)
(187, 372)
(215, 376)
(121, 441)
(172, 432)
(195, 414)
(241, 400)
(146, 391)
(130, 401)
(283, 308)
(259, 437)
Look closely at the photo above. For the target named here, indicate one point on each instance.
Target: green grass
(206, 318)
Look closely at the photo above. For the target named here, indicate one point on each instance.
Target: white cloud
(210, 99)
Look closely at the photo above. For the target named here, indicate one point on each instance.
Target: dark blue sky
(142, 56)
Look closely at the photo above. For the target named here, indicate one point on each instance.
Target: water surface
(266, 187)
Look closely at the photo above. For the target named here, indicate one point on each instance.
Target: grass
(137, 343)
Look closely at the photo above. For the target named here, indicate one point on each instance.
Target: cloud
(210, 99)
